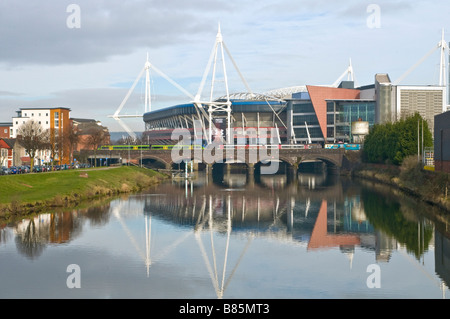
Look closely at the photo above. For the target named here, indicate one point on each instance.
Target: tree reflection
(31, 242)
(388, 215)
(98, 215)
(5, 235)
(33, 235)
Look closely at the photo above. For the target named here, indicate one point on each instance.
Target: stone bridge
(249, 156)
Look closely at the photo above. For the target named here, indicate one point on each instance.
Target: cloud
(9, 93)
(274, 43)
(37, 32)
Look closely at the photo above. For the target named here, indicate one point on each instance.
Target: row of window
(305, 107)
(40, 114)
(315, 133)
(23, 122)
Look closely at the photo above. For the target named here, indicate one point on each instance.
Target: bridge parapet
(291, 156)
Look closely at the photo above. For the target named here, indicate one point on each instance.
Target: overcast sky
(86, 57)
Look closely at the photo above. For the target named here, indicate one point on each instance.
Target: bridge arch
(273, 165)
(326, 159)
(331, 164)
(155, 162)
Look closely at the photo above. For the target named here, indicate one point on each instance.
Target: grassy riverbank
(410, 177)
(30, 193)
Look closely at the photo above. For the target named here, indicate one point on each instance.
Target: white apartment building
(57, 118)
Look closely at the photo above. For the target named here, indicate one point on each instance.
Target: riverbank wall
(428, 186)
(27, 194)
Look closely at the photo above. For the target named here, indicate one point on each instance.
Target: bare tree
(94, 140)
(72, 138)
(128, 140)
(53, 144)
(33, 138)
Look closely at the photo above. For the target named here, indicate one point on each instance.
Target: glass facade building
(304, 116)
(339, 117)
(341, 114)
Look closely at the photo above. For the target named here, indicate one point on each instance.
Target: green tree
(392, 142)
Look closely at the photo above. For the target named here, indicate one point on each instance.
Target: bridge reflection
(314, 210)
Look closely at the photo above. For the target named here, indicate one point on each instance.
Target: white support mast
(147, 105)
(148, 102)
(348, 72)
(307, 132)
(442, 46)
(217, 107)
(442, 75)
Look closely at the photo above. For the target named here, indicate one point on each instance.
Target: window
(314, 132)
(303, 108)
(56, 119)
(330, 118)
(330, 132)
(330, 106)
(310, 119)
(343, 132)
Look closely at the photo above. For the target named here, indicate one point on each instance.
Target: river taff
(236, 236)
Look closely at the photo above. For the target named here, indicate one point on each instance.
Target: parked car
(25, 169)
(37, 169)
(5, 171)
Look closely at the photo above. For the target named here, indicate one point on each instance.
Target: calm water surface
(235, 237)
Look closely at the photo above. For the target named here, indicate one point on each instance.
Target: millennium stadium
(324, 116)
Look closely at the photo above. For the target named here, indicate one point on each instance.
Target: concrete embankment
(32, 193)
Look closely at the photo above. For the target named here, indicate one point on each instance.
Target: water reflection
(316, 212)
(32, 235)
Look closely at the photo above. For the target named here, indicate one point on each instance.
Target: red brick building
(5, 130)
(7, 152)
(85, 129)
